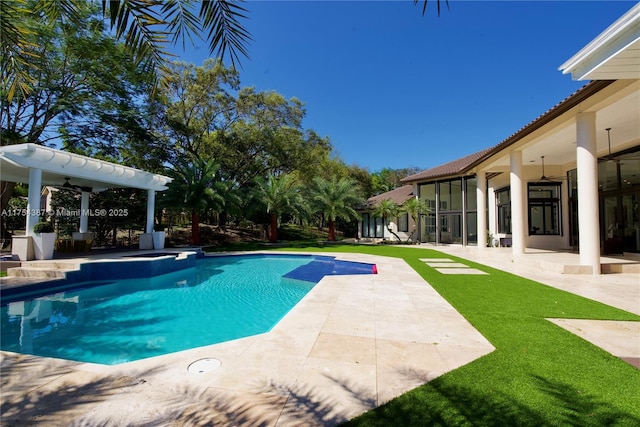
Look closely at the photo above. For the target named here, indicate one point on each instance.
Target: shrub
(43, 227)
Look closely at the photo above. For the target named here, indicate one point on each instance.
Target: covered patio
(40, 166)
(567, 181)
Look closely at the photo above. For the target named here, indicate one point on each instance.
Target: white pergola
(39, 166)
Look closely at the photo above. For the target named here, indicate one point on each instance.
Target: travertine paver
(446, 264)
(613, 336)
(459, 271)
(353, 343)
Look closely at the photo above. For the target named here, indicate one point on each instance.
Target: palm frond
(59, 10)
(424, 5)
(221, 18)
(139, 23)
(182, 23)
(16, 49)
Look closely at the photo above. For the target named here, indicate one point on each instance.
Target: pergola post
(84, 212)
(151, 208)
(33, 201)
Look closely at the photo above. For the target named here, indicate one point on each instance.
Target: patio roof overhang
(82, 171)
(554, 134)
(613, 55)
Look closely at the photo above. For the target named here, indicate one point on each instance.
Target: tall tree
(387, 179)
(250, 134)
(335, 198)
(280, 195)
(194, 187)
(198, 102)
(79, 74)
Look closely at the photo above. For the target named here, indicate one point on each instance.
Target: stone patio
(353, 343)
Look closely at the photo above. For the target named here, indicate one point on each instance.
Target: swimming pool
(111, 322)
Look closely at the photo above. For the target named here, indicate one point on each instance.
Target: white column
(517, 204)
(151, 207)
(438, 229)
(588, 212)
(465, 226)
(481, 204)
(33, 201)
(84, 212)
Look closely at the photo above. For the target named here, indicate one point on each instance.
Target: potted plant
(44, 240)
(158, 236)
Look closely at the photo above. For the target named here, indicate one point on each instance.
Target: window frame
(545, 204)
(403, 225)
(503, 211)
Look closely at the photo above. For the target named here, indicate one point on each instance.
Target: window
(451, 195)
(428, 194)
(503, 202)
(403, 222)
(572, 183)
(472, 227)
(471, 206)
(428, 232)
(471, 194)
(544, 209)
(365, 225)
(376, 223)
(371, 227)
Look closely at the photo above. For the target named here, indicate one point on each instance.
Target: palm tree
(335, 199)
(194, 187)
(147, 27)
(385, 209)
(280, 195)
(415, 207)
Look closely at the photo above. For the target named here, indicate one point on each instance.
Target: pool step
(43, 269)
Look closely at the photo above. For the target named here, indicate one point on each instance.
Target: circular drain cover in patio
(204, 365)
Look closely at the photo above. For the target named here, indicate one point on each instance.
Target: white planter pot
(22, 247)
(158, 239)
(43, 245)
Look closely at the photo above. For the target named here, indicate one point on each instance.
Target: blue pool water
(112, 322)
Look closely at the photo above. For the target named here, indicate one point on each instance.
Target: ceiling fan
(618, 158)
(543, 178)
(70, 186)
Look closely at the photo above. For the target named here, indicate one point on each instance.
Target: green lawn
(539, 373)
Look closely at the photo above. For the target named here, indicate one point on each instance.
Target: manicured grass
(539, 373)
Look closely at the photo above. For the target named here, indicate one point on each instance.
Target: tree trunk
(222, 220)
(332, 231)
(273, 237)
(195, 228)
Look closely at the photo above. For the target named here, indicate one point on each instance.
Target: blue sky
(392, 88)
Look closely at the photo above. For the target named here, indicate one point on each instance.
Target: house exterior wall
(532, 175)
